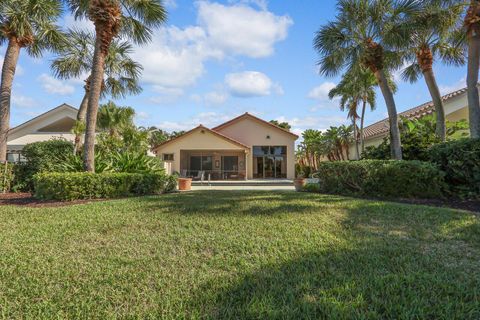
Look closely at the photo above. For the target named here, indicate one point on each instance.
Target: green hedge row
(460, 160)
(84, 185)
(382, 178)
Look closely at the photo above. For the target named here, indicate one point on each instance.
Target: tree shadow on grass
(396, 264)
(238, 202)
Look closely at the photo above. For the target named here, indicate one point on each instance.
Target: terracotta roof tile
(382, 127)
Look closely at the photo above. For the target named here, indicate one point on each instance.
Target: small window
(168, 157)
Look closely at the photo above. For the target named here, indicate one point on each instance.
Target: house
(55, 123)
(245, 147)
(456, 108)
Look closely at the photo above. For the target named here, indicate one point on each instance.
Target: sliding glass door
(269, 162)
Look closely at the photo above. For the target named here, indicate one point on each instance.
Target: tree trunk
(441, 129)
(96, 80)
(82, 111)
(395, 143)
(355, 135)
(472, 81)
(8, 73)
(362, 122)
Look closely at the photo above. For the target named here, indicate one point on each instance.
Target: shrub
(84, 185)
(41, 156)
(379, 178)
(460, 160)
(6, 177)
(311, 187)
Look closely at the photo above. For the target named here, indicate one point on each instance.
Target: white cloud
(215, 98)
(262, 4)
(321, 92)
(250, 84)
(446, 89)
(171, 4)
(81, 24)
(208, 119)
(242, 30)
(23, 101)
(176, 57)
(55, 86)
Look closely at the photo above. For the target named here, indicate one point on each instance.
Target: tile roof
(383, 127)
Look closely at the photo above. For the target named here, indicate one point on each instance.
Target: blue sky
(214, 60)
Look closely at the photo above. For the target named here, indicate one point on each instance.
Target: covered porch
(214, 165)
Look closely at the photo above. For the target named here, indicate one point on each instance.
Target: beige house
(245, 147)
(456, 108)
(56, 123)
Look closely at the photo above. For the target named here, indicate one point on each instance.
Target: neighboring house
(56, 123)
(456, 108)
(245, 147)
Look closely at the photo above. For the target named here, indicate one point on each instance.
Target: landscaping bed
(239, 254)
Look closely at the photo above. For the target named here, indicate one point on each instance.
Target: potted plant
(184, 184)
(300, 181)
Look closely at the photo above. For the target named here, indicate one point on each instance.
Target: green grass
(238, 255)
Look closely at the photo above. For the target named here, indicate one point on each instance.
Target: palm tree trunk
(472, 81)
(395, 143)
(96, 80)
(362, 122)
(82, 111)
(8, 73)
(355, 135)
(441, 129)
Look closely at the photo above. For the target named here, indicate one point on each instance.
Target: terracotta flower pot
(184, 184)
(299, 183)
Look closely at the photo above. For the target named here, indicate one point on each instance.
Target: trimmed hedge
(382, 178)
(460, 160)
(85, 185)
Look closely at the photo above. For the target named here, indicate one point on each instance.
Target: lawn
(231, 255)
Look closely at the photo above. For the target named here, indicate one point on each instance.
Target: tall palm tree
(24, 24)
(472, 27)
(364, 34)
(130, 19)
(75, 59)
(430, 39)
(349, 99)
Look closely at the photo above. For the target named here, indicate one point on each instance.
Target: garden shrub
(460, 160)
(381, 178)
(86, 185)
(6, 177)
(311, 187)
(41, 156)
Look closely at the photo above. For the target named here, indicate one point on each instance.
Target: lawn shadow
(396, 264)
(237, 202)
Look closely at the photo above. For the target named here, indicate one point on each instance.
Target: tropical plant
(75, 59)
(129, 19)
(418, 135)
(29, 25)
(113, 119)
(431, 38)
(365, 34)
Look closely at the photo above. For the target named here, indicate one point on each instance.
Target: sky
(214, 60)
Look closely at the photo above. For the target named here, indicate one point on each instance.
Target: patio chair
(200, 176)
(183, 173)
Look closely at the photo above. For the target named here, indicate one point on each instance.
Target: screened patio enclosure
(213, 164)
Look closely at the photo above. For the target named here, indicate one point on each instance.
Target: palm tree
(130, 19)
(24, 24)
(349, 99)
(113, 119)
(122, 73)
(472, 26)
(364, 34)
(430, 39)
